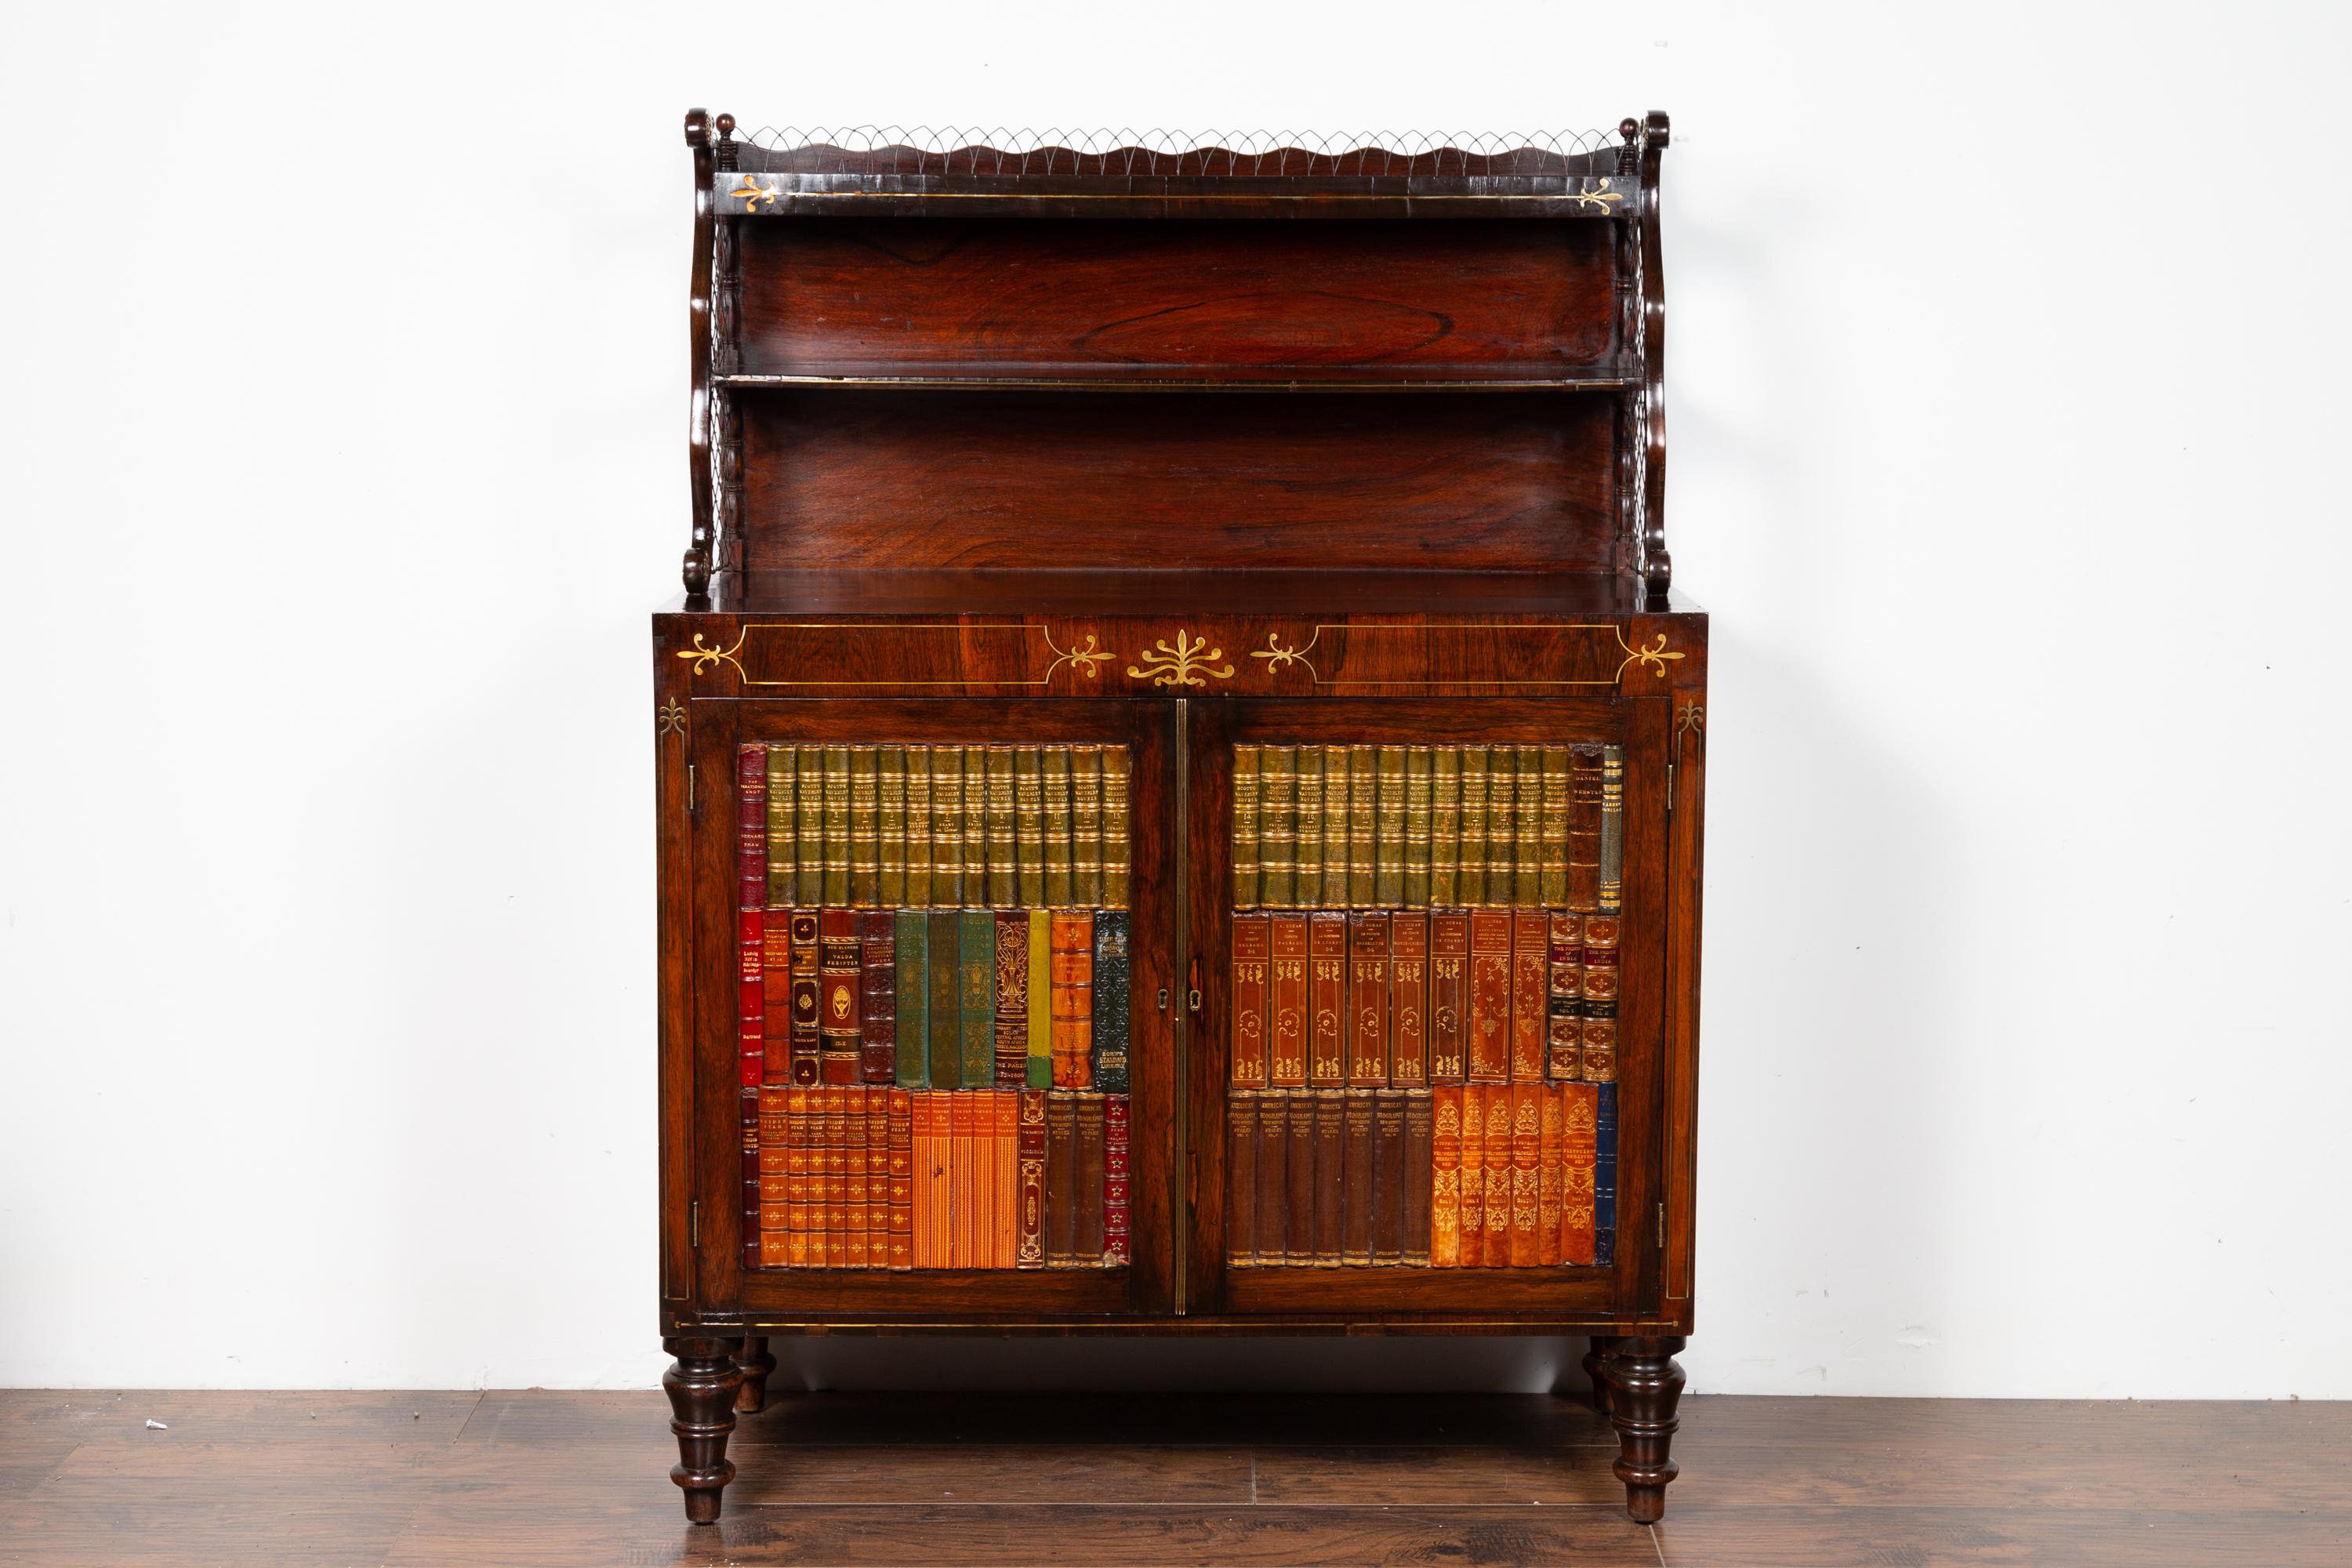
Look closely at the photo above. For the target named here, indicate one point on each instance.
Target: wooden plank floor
(581, 1478)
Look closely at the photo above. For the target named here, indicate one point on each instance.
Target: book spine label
(1113, 965)
(865, 827)
(1449, 995)
(890, 820)
(1335, 827)
(1530, 994)
(1419, 846)
(808, 803)
(797, 1181)
(1030, 1248)
(1388, 1178)
(776, 1003)
(976, 985)
(1287, 1018)
(807, 997)
(1527, 1171)
(1071, 937)
(1061, 1178)
(1490, 996)
(841, 972)
(1495, 1251)
(1444, 826)
(836, 827)
(1118, 842)
(1409, 998)
(1331, 1175)
(1087, 1177)
(1418, 1178)
(1004, 844)
(1252, 954)
(775, 1181)
(1368, 999)
(1584, 830)
(1277, 825)
(1117, 1242)
(1004, 1178)
(1389, 813)
(1445, 1176)
(1609, 896)
(901, 1123)
(1307, 820)
(947, 827)
(1551, 1174)
(1297, 1134)
(1363, 818)
(1053, 769)
(917, 788)
(1579, 1154)
(1502, 822)
(1271, 1238)
(1086, 827)
(1604, 1175)
(1356, 1164)
(1247, 793)
(1028, 828)
(1326, 999)
(1526, 857)
(783, 827)
(878, 1000)
(912, 1058)
(1470, 1178)
(944, 1023)
(1242, 1202)
(1041, 1000)
(752, 826)
(1564, 1009)
(1012, 1026)
(1601, 933)
(1554, 826)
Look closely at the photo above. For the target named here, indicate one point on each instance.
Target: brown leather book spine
(1299, 1172)
(841, 974)
(1368, 999)
(1388, 1178)
(1270, 1237)
(1495, 1250)
(1564, 1011)
(1601, 933)
(1326, 999)
(834, 1135)
(877, 998)
(1530, 994)
(1061, 1178)
(1117, 1239)
(1449, 995)
(752, 826)
(902, 1179)
(1005, 1174)
(1356, 1158)
(1087, 1177)
(1409, 998)
(1470, 1183)
(1012, 1030)
(1490, 996)
(1445, 1176)
(775, 1182)
(1331, 1175)
(1578, 1152)
(1253, 957)
(1419, 1132)
(776, 997)
(1549, 1176)
(1030, 1249)
(796, 1178)
(1072, 938)
(1240, 1178)
(807, 1006)
(856, 1221)
(1287, 1026)
(1584, 828)
(1527, 1171)
(878, 1207)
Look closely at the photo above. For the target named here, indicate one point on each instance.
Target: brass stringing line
(1652, 658)
(751, 626)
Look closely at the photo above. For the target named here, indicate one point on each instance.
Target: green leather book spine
(865, 826)
(890, 813)
(1054, 773)
(1086, 827)
(947, 827)
(1471, 863)
(1554, 828)
(1118, 842)
(1335, 827)
(1028, 828)
(975, 829)
(1307, 884)
(836, 827)
(944, 1014)
(1418, 765)
(976, 966)
(1612, 829)
(918, 826)
(1444, 826)
(1278, 827)
(782, 824)
(1502, 822)
(1247, 883)
(1526, 857)
(1364, 804)
(808, 882)
(1003, 880)
(1388, 887)
(914, 1033)
(1041, 1000)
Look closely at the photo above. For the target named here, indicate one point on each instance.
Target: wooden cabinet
(1176, 456)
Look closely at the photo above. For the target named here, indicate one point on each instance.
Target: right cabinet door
(1426, 1068)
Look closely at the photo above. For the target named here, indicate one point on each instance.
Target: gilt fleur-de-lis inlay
(705, 657)
(1277, 657)
(1652, 659)
(669, 719)
(1083, 655)
(754, 195)
(1182, 665)
(1599, 196)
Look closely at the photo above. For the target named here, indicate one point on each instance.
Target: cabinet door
(933, 1073)
(1426, 1073)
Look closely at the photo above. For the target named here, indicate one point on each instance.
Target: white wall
(343, 395)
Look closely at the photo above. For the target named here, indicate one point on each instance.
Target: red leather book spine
(1089, 1179)
(1327, 997)
(1367, 1000)
(835, 1134)
(1577, 1148)
(1550, 1176)
(1253, 956)
(878, 1175)
(1490, 996)
(1299, 1168)
(1004, 1171)
(1564, 1012)
(1031, 1252)
(1601, 998)
(1286, 1002)
(776, 997)
(877, 996)
(1584, 781)
(807, 1042)
(1242, 1206)
(796, 1173)
(902, 1179)
(1419, 1135)
(1409, 998)
(1011, 1034)
(1530, 994)
(775, 1180)
(1356, 1164)
(1388, 1178)
(1449, 995)
(750, 1054)
(1331, 1176)
(1470, 1181)
(1495, 1252)
(752, 826)
(1273, 1229)
(841, 970)
(1061, 1178)
(1527, 1172)
(858, 1217)
(1118, 1243)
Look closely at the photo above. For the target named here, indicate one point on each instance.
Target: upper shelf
(1617, 374)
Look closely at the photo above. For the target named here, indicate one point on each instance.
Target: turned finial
(1629, 155)
(726, 148)
(726, 124)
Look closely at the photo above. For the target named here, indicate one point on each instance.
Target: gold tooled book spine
(1470, 866)
(890, 813)
(1118, 845)
(1554, 849)
(782, 826)
(1527, 861)
(1388, 887)
(1029, 829)
(1584, 788)
(1277, 825)
(1613, 830)
(1053, 773)
(1003, 878)
(836, 827)
(808, 885)
(947, 827)
(1417, 833)
(1307, 884)
(1246, 884)
(1444, 827)
(1502, 821)
(865, 826)
(975, 827)
(1363, 851)
(918, 826)
(1335, 827)
(1086, 827)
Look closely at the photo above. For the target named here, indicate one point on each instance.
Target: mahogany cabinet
(1125, 468)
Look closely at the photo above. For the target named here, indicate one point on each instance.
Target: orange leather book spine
(1326, 999)
(1253, 960)
(1526, 1173)
(836, 1212)
(1550, 1176)
(1601, 933)
(775, 1180)
(942, 1175)
(1409, 998)
(969, 1195)
(1471, 1196)
(1530, 994)
(1287, 1026)
(1449, 995)
(796, 1177)
(919, 1113)
(1495, 1251)
(1490, 996)
(877, 1177)
(776, 989)
(1367, 1000)
(1580, 1104)
(1004, 1175)
(1029, 1250)
(1445, 1178)
(856, 1218)
(1071, 941)
(902, 1179)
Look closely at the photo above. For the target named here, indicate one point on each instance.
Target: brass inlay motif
(1085, 658)
(669, 717)
(704, 658)
(756, 196)
(1599, 196)
(1652, 658)
(1182, 665)
(1690, 718)
(1277, 657)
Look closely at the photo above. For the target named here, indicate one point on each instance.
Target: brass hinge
(689, 789)
(694, 1223)
(1662, 1227)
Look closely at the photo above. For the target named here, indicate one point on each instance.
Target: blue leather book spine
(1604, 1178)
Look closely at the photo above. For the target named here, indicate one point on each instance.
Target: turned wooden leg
(755, 1363)
(1646, 1384)
(1600, 1351)
(701, 1386)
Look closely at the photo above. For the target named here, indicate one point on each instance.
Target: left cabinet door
(934, 1072)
